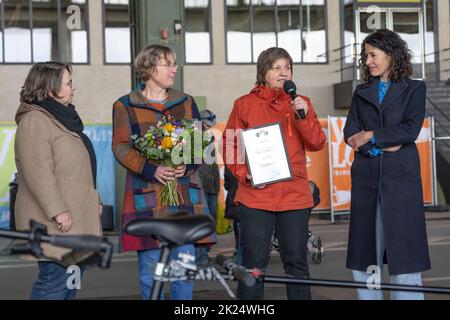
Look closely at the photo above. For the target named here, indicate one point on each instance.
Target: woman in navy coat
(387, 220)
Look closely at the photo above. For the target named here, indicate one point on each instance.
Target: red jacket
(262, 106)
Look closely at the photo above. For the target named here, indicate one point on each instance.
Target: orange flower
(167, 143)
(169, 127)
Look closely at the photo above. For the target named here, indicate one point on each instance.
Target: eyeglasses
(170, 66)
(69, 84)
(210, 118)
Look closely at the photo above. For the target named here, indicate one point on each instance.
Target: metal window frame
(2, 21)
(88, 38)
(300, 19)
(2, 17)
(30, 20)
(58, 23)
(435, 33)
(59, 42)
(389, 11)
(325, 27)
(276, 28)
(225, 36)
(104, 38)
(211, 40)
(275, 17)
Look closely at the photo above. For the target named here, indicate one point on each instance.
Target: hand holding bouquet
(173, 144)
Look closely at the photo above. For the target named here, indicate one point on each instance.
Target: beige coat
(55, 176)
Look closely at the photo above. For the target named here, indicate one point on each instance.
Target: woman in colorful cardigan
(133, 114)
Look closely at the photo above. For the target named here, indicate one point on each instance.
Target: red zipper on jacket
(289, 123)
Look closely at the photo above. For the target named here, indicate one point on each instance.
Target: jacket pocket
(195, 194)
(299, 171)
(144, 200)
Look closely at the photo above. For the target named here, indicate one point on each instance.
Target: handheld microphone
(291, 89)
(238, 272)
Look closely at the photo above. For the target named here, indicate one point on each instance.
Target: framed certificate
(266, 155)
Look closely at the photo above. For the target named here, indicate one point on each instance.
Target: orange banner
(318, 171)
(341, 158)
(423, 143)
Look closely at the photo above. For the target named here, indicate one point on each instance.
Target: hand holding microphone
(301, 106)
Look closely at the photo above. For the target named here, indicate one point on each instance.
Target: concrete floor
(121, 280)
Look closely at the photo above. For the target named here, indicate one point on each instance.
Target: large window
(296, 25)
(116, 31)
(404, 22)
(430, 56)
(197, 34)
(42, 30)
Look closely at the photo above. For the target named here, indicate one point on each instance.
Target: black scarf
(72, 121)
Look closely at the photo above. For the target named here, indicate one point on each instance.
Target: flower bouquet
(173, 143)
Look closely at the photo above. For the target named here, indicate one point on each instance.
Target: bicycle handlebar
(38, 234)
(238, 272)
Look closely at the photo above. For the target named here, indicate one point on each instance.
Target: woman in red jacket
(282, 206)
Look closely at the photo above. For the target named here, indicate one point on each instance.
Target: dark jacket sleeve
(352, 125)
(195, 116)
(409, 128)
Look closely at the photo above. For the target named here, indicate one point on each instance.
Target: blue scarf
(383, 88)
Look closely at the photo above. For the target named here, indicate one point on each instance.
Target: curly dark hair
(391, 43)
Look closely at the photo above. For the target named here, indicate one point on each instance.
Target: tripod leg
(158, 286)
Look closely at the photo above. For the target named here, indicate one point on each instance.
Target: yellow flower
(167, 143)
(169, 127)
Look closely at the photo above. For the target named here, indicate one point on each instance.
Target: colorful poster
(424, 144)
(101, 137)
(7, 170)
(317, 167)
(340, 160)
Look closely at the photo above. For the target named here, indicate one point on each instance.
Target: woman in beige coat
(57, 170)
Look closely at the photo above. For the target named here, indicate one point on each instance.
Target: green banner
(7, 170)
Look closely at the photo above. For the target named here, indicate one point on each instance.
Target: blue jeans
(179, 290)
(52, 283)
(412, 279)
(201, 254)
(211, 199)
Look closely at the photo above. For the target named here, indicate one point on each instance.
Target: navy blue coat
(394, 177)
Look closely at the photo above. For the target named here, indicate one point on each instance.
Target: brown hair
(146, 61)
(266, 60)
(43, 78)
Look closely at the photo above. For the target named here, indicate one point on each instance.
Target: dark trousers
(291, 227)
(52, 283)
